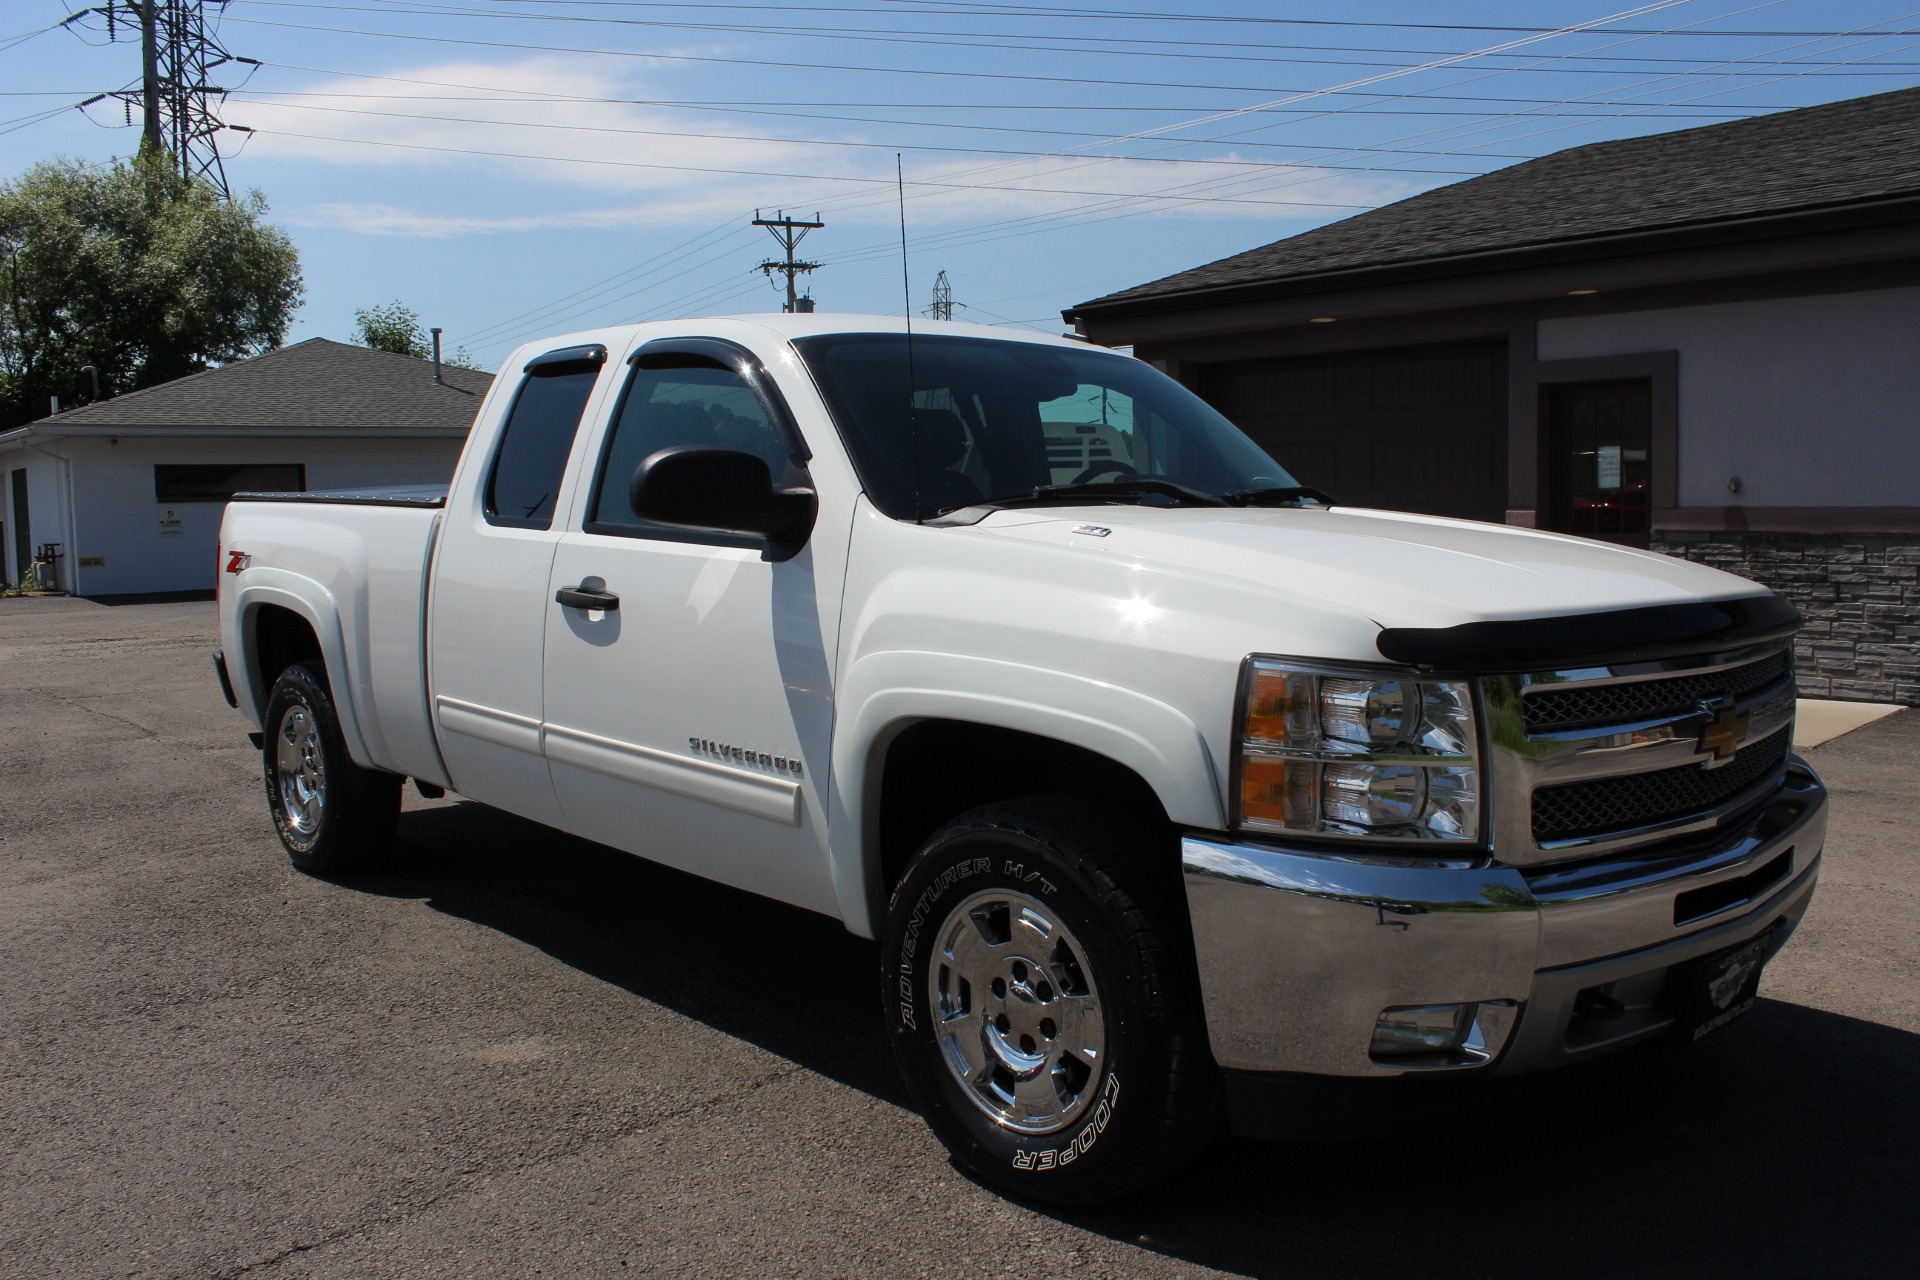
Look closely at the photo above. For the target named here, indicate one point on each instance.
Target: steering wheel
(1104, 466)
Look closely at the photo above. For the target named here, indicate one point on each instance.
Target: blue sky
(510, 168)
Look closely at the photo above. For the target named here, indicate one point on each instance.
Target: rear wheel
(332, 815)
(1042, 1012)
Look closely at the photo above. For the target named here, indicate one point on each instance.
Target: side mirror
(723, 490)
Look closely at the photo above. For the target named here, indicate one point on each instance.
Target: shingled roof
(317, 385)
(1815, 158)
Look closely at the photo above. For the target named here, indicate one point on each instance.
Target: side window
(699, 402)
(525, 482)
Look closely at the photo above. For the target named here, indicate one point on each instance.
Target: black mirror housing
(724, 490)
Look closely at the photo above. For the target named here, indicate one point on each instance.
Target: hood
(1396, 569)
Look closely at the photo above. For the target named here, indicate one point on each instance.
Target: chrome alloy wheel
(1016, 1013)
(300, 768)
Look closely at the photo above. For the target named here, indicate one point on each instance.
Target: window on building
(217, 482)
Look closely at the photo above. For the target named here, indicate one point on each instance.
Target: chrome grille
(1547, 709)
(1598, 759)
(1644, 799)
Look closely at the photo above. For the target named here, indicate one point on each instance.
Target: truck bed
(366, 554)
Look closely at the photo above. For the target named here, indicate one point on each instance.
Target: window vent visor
(581, 359)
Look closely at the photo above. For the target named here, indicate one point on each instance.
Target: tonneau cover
(397, 495)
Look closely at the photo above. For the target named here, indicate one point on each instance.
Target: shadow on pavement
(792, 982)
(1787, 1148)
(1789, 1145)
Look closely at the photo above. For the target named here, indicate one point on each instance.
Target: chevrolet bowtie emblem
(1720, 737)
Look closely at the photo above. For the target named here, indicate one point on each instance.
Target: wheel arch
(278, 627)
(997, 731)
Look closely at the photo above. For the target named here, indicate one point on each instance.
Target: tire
(1042, 1005)
(333, 817)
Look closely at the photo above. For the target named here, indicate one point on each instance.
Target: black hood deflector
(1592, 639)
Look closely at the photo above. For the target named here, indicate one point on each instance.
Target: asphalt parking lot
(513, 1053)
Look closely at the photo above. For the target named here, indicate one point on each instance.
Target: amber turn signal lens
(1267, 704)
(1264, 789)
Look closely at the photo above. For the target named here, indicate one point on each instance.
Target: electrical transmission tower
(178, 99)
(789, 233)
(942, 308)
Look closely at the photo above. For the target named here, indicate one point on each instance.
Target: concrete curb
(1818, 720)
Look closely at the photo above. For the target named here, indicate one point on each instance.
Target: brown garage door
(1409, 428)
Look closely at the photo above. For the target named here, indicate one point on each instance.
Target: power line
(595, 290)
(788, 64)
(975, 8)
(1059, 108)
(762, 173)
(976, 237)
(268, 99)
(937, 39)
(1064, 11)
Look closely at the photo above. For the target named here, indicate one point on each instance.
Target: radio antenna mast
(906, 312)
(789, 232)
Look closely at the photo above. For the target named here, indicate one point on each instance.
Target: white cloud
(581, 148)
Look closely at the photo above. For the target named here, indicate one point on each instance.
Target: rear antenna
(906, 298)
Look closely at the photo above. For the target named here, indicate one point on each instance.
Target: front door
(690, 720)
(1599, 447)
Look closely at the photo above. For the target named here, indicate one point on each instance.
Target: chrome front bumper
(1301, 950)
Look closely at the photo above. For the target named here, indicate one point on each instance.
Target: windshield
(995, 421)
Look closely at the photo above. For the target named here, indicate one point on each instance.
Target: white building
(126, 494)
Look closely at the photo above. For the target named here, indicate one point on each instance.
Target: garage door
(1410, 428)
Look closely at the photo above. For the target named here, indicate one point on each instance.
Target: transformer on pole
(789, 232)
(178, 99)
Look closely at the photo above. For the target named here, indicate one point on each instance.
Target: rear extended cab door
(488, 603)
(692, 722)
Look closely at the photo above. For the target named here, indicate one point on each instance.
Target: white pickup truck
(1171, 788)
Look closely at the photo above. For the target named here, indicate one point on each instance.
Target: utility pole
(789, 233)
(942, 308)
(179, 103)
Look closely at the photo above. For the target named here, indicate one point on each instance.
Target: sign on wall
(170, 523)
(1608, 467)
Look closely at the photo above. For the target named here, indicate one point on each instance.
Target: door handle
(577, 598)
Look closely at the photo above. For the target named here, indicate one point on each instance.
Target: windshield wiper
(1132, 489)
(1290, 495)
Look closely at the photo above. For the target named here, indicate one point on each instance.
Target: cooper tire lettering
(1067, 891)
(1060, 1157)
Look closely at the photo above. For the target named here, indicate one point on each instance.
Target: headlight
(1357, 753)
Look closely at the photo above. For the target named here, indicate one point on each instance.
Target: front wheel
(332, 815)
(1041, 1008)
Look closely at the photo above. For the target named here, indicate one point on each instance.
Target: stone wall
(1859, 594)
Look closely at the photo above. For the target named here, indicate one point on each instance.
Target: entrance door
(1598, 455)
(688, 696)
(22, 534)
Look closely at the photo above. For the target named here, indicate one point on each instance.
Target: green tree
(396, 327)
(142, 273)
